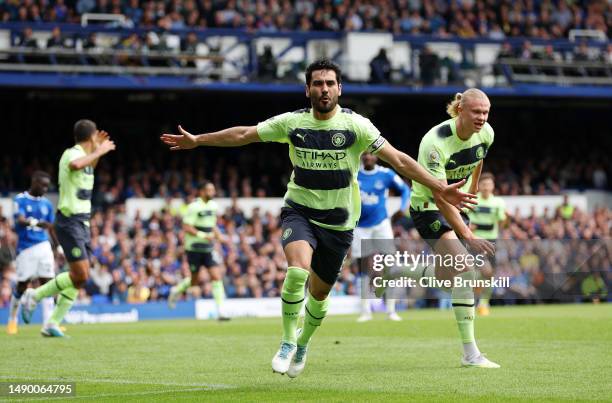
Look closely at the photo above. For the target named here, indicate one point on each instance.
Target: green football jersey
(325, 155)
(487, 215)
(75, 186)
(203, 216)
(444, 155)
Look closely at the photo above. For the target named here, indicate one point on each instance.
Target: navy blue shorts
(74, 235)
(329, 246)
(431, 224)
(199, 259)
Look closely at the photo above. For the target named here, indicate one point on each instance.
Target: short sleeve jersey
(75, 186)
(203, 216)
(487, 215)
(444, 155)
(325, 155)
(30, 206)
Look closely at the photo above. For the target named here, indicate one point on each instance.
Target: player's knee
(295, 280)
(79, 277)
(298, 261)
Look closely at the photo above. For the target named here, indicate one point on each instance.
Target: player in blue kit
(374, 224)
(34, 217)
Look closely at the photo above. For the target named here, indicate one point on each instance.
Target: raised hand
(453, 195)
(182, 141)
(101, 135)
(106, 146)
(481, 246)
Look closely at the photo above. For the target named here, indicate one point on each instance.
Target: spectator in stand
(429, 64)
(189, 45)
(380, 68)
(549, 55)
(266, 65)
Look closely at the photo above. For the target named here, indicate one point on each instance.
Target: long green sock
(463, 306)
(61, 282)
(219, 294)
(485, 294)
(292, 298)
(184, 285)
(64, 303)
(315, 313)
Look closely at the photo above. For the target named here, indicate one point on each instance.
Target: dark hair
(40, 174)
(83, 130)
(323, 64)
(485, 176)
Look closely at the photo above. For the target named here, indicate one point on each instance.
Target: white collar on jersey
(29, 196)
(370, 172)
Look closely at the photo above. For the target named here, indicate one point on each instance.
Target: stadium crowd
(249, 177)
(495, 19)
(138, 260)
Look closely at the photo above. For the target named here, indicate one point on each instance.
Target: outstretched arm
(232, 137)
(409, 168)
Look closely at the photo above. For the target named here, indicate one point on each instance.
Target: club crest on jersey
(287, 233)
(338, 139)
(480, 152)
(435, 226)
(379, 185)
(434, 156)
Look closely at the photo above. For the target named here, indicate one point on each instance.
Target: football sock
(14, 306)
(53, 287)
(463, 306)
(391, 305)
(64, 303)
(47, 308)
(314, 315)
(219, 294)
(485, 295)
(292, 299)
(365, 295)
(184, 285)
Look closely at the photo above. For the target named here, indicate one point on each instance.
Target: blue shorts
(329, 246)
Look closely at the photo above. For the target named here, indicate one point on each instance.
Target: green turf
(547, 353)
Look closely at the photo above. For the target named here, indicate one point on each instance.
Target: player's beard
(321, 108)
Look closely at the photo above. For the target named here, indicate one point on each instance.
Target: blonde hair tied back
(453, 107)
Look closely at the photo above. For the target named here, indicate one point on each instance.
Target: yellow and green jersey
(444, 155)
(487, 215)
(325, 155)
(75, 186)
(203, 216)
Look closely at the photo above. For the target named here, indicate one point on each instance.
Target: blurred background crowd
(496, 19)
(138, 260)
(249, 175)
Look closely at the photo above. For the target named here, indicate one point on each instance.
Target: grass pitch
(547, 353)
